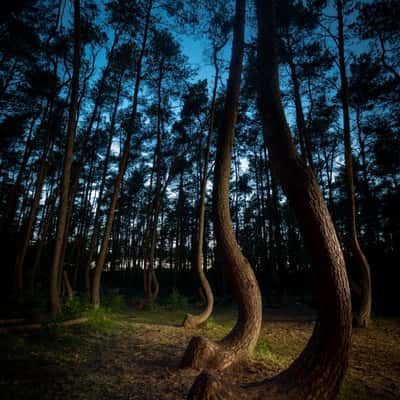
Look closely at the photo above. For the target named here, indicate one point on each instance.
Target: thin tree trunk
(318, 371)
(363, 314)
(68, 287)
(31, 219)
(300, 121)
(151, 294)
(280, 258)
(56, 267)
(190, 319)
(44, 230)
(240, 342)
(12, 198)
(93, 240)
(122, 167)
(79, 164)
(368, 203)
(152, 286)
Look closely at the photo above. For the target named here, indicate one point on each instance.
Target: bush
(75, 308)
(100, 320)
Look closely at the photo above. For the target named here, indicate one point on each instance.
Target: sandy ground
(137, 357)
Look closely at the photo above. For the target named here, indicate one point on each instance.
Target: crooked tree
(192, 320)
(240, 342)
(319, 369)
(363, 313)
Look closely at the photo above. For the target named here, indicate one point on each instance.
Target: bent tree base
(193, 321)
(318, 371)
(241, 341)
(206, 386)
(203, 353)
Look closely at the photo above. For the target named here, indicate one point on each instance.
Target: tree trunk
(64, 200)
(371, 222)
(68, 287)
(121, 169)
(152, 289)
(318, 371)
(12, 197)
(195, 320)
(240, 342)
(27, 229)
(45, 227)
(96, 228)
(363, 314)
(300, 121)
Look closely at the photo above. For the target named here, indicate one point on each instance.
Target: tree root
(208, 387)
(202, 353)
(190, 321)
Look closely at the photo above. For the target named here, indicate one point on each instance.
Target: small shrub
(100, 320)
(75, 308)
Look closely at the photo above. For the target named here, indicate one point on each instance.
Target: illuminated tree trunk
(319, 369)
(240, 342)
(363, 314)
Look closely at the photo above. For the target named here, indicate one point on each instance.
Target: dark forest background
(139, 119)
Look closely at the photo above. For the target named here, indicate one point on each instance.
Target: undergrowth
(264, 352)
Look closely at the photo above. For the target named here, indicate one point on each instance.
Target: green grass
(114, 330)
(265, 353)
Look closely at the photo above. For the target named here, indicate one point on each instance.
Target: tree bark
(190, 319)
(240, 342)
(318, 371)
(300, 121)
(122, 167)
(363, 314)
(96, 228)
(68, 287)
(12, 198)
(43, 233)
(27, 229)
(65, 184)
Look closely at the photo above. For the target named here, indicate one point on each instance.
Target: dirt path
(138, 357)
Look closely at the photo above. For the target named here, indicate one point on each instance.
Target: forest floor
(135, 355)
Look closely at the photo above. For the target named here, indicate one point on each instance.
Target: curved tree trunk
(240, 342)
(319, 369)
(362, 315)
(190, 319)
(65, 184)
